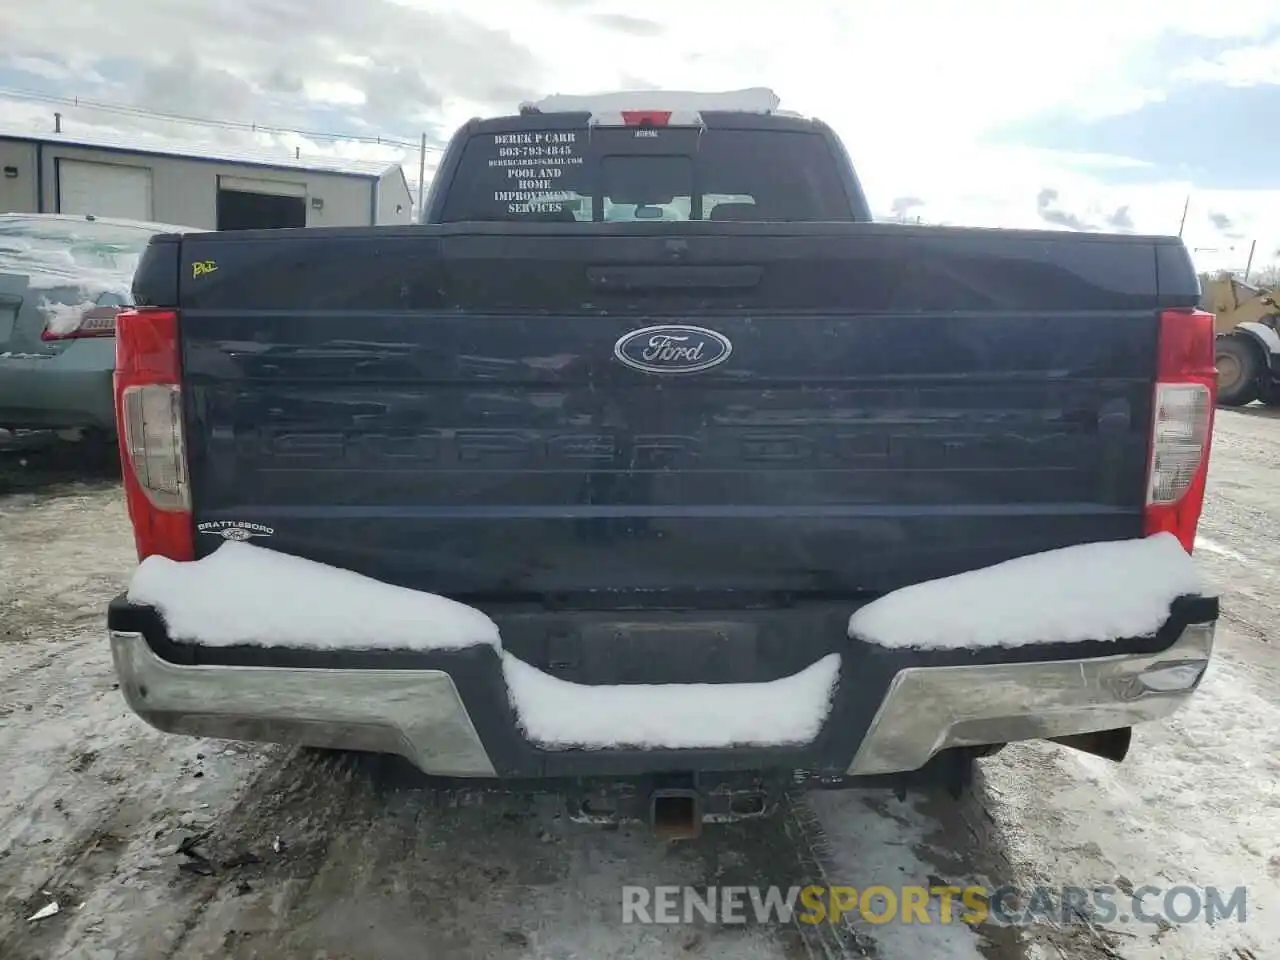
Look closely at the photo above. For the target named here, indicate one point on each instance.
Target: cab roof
(750, 100)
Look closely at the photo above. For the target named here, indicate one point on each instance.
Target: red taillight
(646, 118)
(148, 393)
(1182, 425)
(93, 322)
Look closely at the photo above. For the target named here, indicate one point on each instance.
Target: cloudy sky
(1095, 114)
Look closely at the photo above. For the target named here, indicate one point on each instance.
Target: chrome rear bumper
(419, 713)
(414, 713)
(929, 709)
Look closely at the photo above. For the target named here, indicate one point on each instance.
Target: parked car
(700, 510)
(63, 279)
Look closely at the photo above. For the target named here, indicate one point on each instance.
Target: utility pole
(1249, 264)
(422, 176)
(1185, 207)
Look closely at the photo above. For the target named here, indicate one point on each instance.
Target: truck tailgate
(448, 408)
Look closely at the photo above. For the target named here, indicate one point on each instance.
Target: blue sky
(1090, 115)
(1214, 122)
(1215, 135)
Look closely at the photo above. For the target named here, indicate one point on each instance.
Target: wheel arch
(1261, 336)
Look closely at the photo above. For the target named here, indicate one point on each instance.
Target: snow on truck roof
(686, 105)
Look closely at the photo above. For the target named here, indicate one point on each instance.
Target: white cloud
(327, 91)
(1244, 66)
(40, 67)
(915, 88)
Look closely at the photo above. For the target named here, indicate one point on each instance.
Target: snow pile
(557, 713)
(62, 318)
(1094, 591)
(243, 594)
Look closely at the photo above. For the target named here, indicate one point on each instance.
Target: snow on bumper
(451, 722)
(1087, 592)
(455, 703)
(557, 714)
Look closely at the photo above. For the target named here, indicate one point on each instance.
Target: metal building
(209, 188)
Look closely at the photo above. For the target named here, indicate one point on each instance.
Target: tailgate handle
(626, 279)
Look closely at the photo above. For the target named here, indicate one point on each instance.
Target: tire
(1240, 368)
(96, 452)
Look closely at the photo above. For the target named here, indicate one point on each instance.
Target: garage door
(104, 189)
(256, 204)
(270, 188)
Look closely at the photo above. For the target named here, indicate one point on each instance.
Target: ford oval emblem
(673, 349)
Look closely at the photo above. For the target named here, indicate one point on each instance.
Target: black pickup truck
(648, 468)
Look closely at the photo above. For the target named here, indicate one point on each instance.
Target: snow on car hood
(87, 263)
(1093, 591)
(63, 317)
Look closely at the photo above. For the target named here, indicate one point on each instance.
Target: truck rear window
(624, 174)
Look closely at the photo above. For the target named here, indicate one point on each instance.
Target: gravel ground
(318, 856)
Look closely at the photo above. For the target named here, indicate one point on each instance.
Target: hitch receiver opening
(676, 814)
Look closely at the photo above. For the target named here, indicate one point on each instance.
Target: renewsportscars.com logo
(970, 905)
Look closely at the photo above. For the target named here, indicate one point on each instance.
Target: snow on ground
(1212, 546)
(1196, 803)
(555, 712)
(244, 594)
(876, 840)
(1094, 591)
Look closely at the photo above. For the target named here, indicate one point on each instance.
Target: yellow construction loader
(1248, 349)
